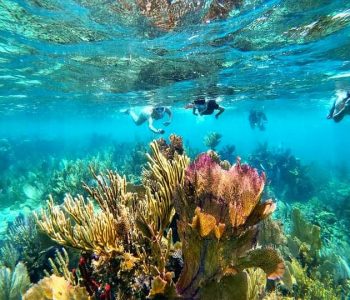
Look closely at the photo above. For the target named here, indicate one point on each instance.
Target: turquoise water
(68, 69)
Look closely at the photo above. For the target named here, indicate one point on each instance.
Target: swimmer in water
(340, 107)
(258, 119)
(203, 107)
(151, 114)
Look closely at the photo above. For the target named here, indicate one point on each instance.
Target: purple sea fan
(218, 210)
(232, 196)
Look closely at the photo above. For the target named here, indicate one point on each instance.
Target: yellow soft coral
(55, 288)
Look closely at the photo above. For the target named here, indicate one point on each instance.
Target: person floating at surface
(205, 107)
(258, 119)
(151, 114)
(340, 107)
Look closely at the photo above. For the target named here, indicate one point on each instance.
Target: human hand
(160, 131)
(167, 123)
(216, 116)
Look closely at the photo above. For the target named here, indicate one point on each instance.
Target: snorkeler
(205, 107)
(340, 107)
(151, 114)
(258, 119)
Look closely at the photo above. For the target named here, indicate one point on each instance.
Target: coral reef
(14, 283)
(71, 173)
(175, 146)
(222, 208)
(309, 286)
(287, 175)
(133, 164)
(23, 242)
(305, 239)
(228, 153)
(271, 234)
(310, 273)
(189, 230)
(212, 140)
(127, 244)
(55, 287)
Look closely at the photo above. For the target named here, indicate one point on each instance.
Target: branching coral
(218, 211)
(69, 176)
(163, 178)
(227, 153)
(157, 211)
(78, 226)
(60, 266)
(9, 255)
(26, 243)
(308, 286)
(222, 208)
(286, 172)
(125, 228)
(175, 146)
(212, 140)
(14, 283)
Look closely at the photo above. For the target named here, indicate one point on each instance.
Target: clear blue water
(67, 69)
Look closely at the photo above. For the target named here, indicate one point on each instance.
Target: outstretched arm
(330, 114)
(221, 110)
(170, 115)
(152, 128)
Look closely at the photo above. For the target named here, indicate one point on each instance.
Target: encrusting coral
(127, 242)
(55, 287)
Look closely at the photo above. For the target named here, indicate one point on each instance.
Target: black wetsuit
(211, 105)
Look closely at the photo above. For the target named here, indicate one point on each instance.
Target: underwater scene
(174, 149)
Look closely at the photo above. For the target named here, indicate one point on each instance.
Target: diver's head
(189, 105)
(159, 109)
(199, 100)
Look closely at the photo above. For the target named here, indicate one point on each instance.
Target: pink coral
(238, 190)
(218, 211)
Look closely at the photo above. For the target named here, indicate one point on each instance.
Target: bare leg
(138, 119)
